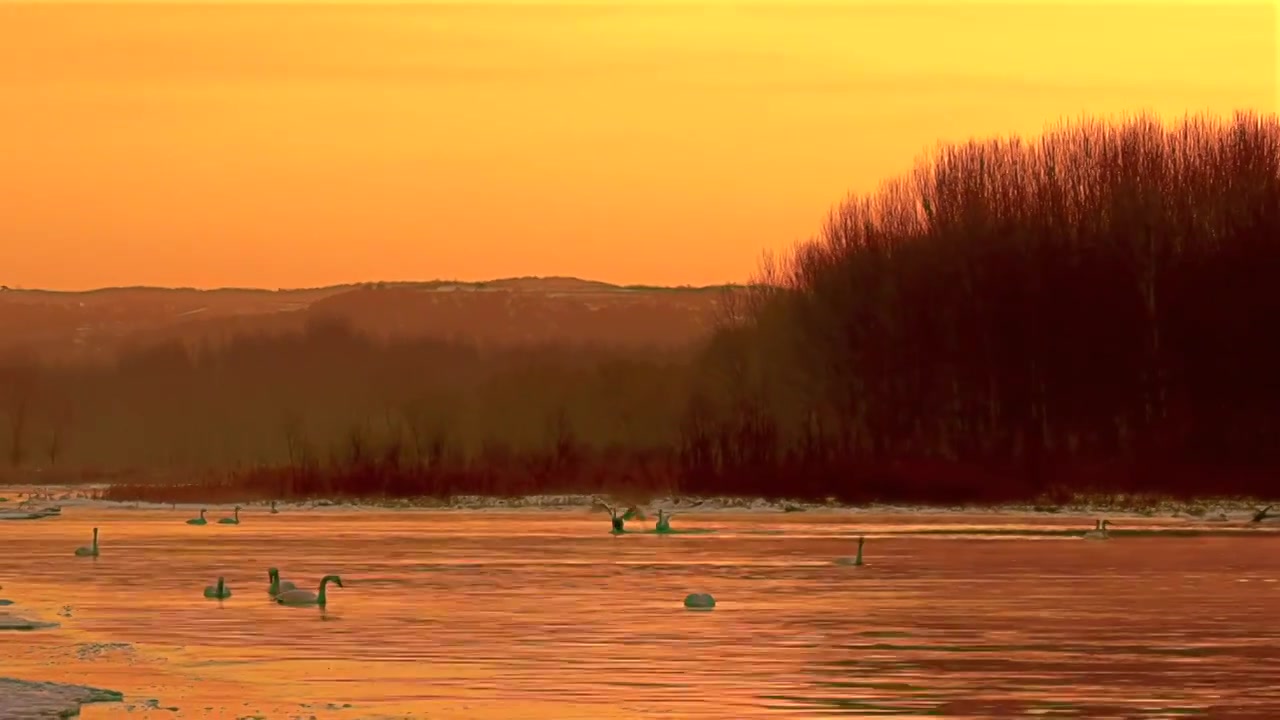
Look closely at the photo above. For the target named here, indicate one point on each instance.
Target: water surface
(546, 615)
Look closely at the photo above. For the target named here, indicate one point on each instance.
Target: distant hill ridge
(97, 324)
(528, 283)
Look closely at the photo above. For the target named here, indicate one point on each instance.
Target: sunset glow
(304, 144)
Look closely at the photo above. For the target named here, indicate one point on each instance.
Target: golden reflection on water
(545, 615)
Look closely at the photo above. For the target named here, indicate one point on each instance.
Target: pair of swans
(223, 521)
(282, 592)
(619, 522)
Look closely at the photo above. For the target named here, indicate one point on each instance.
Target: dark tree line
(1097, 307)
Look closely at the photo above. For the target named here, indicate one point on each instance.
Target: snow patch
(30, 700)
(17, 622)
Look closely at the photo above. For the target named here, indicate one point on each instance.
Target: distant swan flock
(284, 592)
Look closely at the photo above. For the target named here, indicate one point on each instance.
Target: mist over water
(545, 615)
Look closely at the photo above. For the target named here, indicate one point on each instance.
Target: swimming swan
(303, 597)
(619, 522)
(91, 551)
(1262, 514)
(857, 561)
(277, 585)
(200, 520)
(219, 591)
(231, 520)
(664, 521)
(1099, 531)
(699, 601)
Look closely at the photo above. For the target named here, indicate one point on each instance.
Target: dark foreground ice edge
(29, 700)
(26, 700)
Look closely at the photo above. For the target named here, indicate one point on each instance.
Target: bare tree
(17, 432)
(17, 388)
(59, 424)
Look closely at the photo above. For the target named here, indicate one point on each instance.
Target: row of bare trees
(1105, 293)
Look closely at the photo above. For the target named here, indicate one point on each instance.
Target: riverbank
(1207, 509)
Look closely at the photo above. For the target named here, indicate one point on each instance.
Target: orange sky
(301, 143)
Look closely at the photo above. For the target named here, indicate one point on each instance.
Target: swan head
(333, 579)
(861, 540)
(272, 573)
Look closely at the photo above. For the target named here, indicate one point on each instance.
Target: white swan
(219, 591)
(699, 601)
(853, 562)
(91, 551)
(664, 521)
(304, 597)
(1099, 531)
(277, 585)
